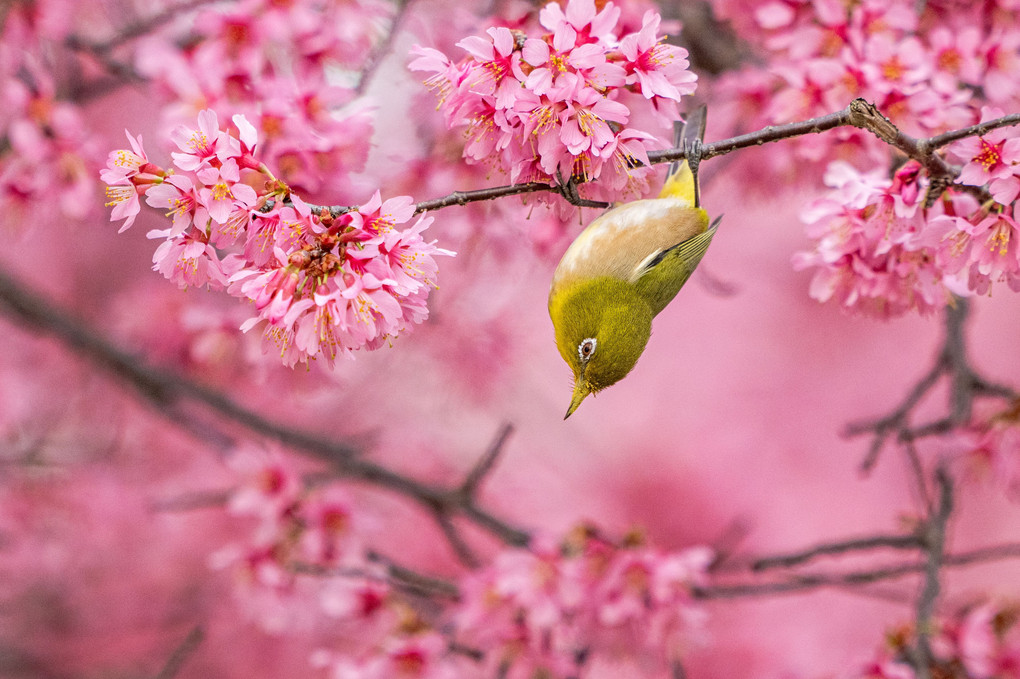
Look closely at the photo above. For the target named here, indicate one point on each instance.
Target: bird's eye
(586, 348)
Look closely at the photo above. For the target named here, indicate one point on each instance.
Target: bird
(625, 267)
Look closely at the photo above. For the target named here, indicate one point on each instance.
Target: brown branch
(978, 130)
(835, 548)
(461, 549)
(397, 576)
(181, 654)
(965, 385)
(934, 540)
(485, 463)
(135, 29)
(171, 394)
(803, 582)
(859, 113)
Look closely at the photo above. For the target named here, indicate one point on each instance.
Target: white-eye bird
(624, 268)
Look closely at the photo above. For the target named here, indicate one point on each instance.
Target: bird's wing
(661, 278)
(621, 242)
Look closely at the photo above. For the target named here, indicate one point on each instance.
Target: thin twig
(186, 502)
(382, 48)
(859, 113)
(802, 582)
(964, 386)
(891, 424)
(461, 548)
(934, 539)
(486, 462)
(400, 577)
(170, 392)
(135, 29)
(181, 654)
(835, 548)
(978, 130)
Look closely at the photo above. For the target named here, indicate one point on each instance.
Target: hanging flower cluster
(538, 611)
(556, 104)
(879, 251)
(981, 641)
(873, 250)
(322, 285)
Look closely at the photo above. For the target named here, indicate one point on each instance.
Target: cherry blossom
(556, 105)
(992, 159)
(873, 252)
(535, 609)
(324, 286)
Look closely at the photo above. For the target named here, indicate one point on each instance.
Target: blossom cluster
(278, 64)
(545, 610)
(556, 105)
(48, 154)
(981, 641)
(874, 252)
(323, 285)
(925, 76)
(880, 251)
(298, 533)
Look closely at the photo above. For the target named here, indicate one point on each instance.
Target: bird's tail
(681, 182)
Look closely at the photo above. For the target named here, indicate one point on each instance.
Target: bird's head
(602, 327)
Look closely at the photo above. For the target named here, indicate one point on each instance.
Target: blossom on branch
(324, 286)
(872, 252)
(980, 641)
(992, 159)
(560, 104)
(546, 610)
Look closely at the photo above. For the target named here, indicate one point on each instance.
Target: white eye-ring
(586, 348)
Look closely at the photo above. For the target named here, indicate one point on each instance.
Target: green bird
(623, 269)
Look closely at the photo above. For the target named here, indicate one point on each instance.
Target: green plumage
(621, 271)
(670, 269)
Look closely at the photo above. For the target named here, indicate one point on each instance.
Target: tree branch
(803, 582)
(965, 384)
(835, 548)
(934, 539)
(170, 393)
(181, 654)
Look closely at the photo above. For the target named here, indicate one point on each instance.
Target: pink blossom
(176, 195)
(534, 609)
(873, 252)
(656, 68)
(269, 484)
(1001, 52)
(202, 144)
(128, 173)
(223, 196)
(992, 159)
(124, 164)
(188, 261)
(558, 103)
(417, 656)
(981, 247)
(123, 198)
(990, 447)
(348, 286)
(956, 56)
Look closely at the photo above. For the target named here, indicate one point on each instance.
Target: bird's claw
(568, 189)
(692, 152)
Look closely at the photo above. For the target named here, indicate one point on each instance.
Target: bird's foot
(568, 189)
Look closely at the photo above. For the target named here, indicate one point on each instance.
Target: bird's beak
(581, 390)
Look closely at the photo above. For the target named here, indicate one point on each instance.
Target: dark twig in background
(965, 386)
(170, 393)
(181, 654)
